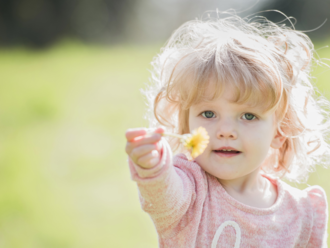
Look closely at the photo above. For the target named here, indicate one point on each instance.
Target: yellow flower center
(196, 142)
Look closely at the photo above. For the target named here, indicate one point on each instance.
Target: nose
(226, 130)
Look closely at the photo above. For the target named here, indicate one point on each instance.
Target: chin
(223, 174)
(226, 177)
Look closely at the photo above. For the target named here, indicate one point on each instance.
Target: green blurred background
(65, 104)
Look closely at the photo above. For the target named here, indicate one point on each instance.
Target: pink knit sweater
(190, 208)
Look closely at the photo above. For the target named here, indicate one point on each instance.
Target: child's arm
(165, 191)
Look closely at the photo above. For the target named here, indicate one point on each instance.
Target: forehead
(239, 84)
(232, 93)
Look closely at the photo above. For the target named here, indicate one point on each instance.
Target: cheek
(258, 137)
(204, 160)
(197, 121)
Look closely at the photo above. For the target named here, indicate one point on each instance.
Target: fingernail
(154, 153)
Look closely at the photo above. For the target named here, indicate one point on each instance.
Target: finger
(147, 139)
(154, 141)
(132, 133)
(159, 145)
(159, 130)
(149, 160)
(142, 150)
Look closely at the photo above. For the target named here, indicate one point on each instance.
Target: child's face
(239, 127)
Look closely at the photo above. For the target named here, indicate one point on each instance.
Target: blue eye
(208, 114)
(248, 116)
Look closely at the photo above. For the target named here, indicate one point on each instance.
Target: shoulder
(181, 161)
(312, 200)
(318, 199)
(315, 195)
(190, 168)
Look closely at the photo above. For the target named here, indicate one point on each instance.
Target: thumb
(159, 144)
(160, 130)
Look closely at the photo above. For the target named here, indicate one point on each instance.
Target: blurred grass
(64, 179)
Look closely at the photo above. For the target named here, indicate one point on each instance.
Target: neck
(253, 190)
(250, 182)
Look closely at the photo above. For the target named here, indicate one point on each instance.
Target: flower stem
(172, 135)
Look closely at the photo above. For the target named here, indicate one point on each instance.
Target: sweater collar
(253, 210)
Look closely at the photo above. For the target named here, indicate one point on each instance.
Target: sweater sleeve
(318, 200)
(165, 192)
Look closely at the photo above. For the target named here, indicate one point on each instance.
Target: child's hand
(144, 149)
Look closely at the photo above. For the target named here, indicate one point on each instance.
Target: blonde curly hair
(266, 63)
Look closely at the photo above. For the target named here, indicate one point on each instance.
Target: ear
(278, 140)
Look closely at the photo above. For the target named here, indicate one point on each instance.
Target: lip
(226, 155)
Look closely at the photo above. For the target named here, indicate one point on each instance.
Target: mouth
(227, 152)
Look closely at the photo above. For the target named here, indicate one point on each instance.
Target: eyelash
(203, 114)
(254, 117)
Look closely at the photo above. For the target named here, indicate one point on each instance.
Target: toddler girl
(247, 83)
